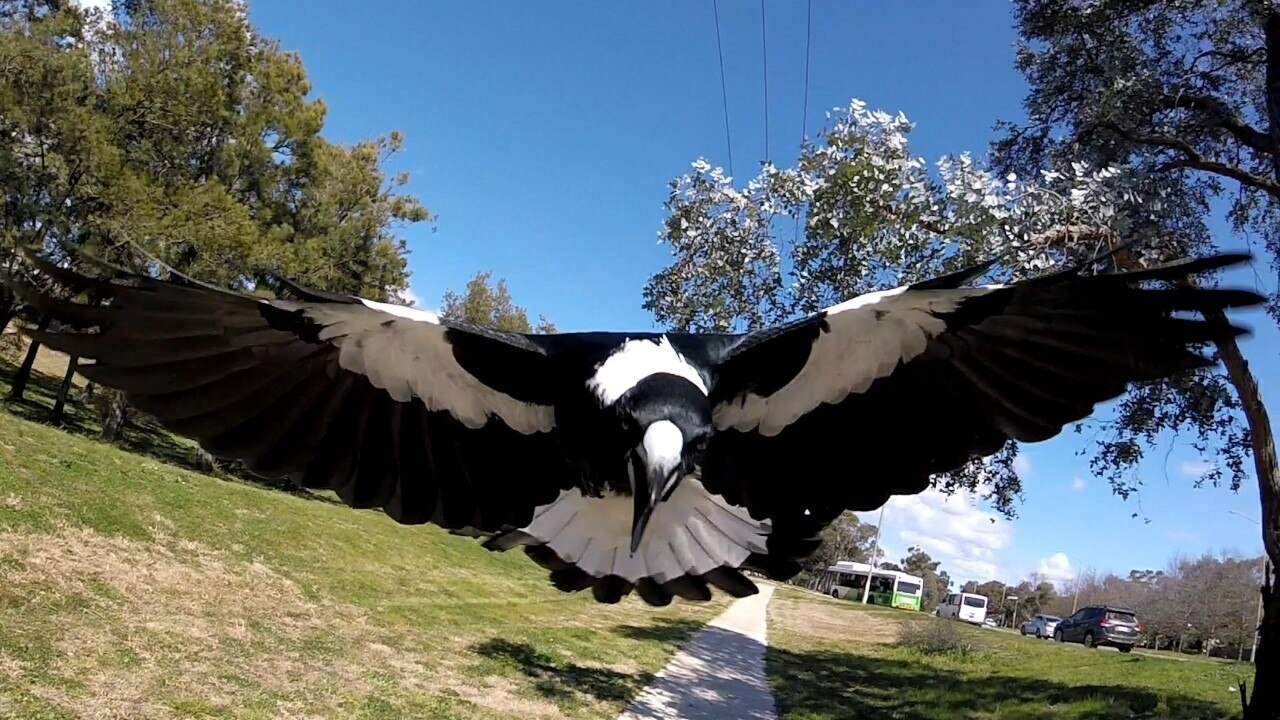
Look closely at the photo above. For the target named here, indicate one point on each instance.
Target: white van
(964, 606)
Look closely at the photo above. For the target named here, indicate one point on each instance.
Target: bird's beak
(649, 489)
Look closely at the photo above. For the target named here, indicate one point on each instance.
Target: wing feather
(382, 404)
(896, 386)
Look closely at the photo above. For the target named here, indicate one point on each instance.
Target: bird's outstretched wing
(872, 397)
(389, 406)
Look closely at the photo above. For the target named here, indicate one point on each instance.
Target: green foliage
(936, 583)
(172, 127)
(489, 304)
(846, 538)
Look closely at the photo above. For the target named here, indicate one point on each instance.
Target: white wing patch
(404, 352)
(691, 533)
(868, 336)
(637, 360)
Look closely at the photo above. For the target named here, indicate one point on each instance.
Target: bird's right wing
(390, 407)
(873, 397)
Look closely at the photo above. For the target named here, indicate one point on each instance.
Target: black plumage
(660, 464)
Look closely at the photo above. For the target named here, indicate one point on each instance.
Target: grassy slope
(131, 587)
(835, 659)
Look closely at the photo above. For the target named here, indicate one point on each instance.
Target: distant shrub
(936, 637)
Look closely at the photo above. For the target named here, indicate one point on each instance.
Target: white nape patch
(692, 532)
(869, 335)
(404, 351)
(637, 360)
(662, 446)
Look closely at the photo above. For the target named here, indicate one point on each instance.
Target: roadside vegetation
(830, 659)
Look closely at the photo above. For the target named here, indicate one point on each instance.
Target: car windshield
(978, 602)
(1052, 618)
(1123, 617)
(908, 588)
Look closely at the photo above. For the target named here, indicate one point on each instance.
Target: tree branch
(1192, 159)
(1221, 115)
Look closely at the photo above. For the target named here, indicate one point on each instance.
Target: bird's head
(669, 418)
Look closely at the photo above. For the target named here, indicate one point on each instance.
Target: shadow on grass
(142, 435)
(676, 631)
(560, 680)
(831, 684)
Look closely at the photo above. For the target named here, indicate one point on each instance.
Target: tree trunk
(206, 462)
(1264, 704)
(60, 405)
(117, 417)
(8, 309)
(23, 376)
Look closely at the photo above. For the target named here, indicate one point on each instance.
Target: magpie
(660, 463)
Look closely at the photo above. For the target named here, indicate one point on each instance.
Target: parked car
(1099, 625)
(1041, 626)
(990, 622)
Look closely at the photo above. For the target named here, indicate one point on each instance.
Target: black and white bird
(663, 463)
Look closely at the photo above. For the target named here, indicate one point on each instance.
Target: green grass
(130, 587)
(852, 664)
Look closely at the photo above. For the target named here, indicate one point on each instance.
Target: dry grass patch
(13, 348)
(131, 588)
(129, 622)
(824, 617)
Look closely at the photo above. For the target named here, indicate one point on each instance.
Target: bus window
(908, 588)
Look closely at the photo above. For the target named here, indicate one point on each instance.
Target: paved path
(719, 674)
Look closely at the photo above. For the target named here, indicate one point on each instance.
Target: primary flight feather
(657, 463)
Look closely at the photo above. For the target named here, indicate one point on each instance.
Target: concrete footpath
(719, 674)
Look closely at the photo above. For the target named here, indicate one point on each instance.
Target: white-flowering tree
(859, 212)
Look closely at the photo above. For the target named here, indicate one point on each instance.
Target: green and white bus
(890, 588)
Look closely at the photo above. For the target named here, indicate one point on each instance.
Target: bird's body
(659, 463)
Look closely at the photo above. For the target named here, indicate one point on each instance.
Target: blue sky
(543, 137)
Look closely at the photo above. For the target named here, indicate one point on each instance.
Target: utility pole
(875, 550)
(1076, 599)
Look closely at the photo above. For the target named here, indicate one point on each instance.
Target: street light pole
(875, 550)
(1257, 625)
(1266, 570)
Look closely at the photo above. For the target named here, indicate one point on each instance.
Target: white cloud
(951, 528)
(1056, 568)
(1195, 468)
(1022, 465)
(408, 297)
(1078, 483)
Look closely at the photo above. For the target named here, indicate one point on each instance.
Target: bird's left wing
(389, 406)
(872, 397)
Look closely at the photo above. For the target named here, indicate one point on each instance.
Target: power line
(764, 52)
(804, 114)
(724, 93)
(808, 43)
